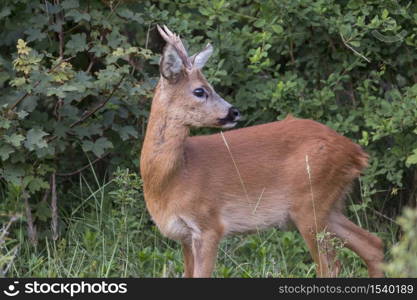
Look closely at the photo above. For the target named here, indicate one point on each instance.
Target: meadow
(110, 234)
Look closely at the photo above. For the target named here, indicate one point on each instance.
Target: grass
(108, 233)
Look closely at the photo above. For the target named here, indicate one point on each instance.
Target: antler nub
(175, 41)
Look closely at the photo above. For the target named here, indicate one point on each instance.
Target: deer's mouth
(231, 119)
(223, 123)
(229, 125)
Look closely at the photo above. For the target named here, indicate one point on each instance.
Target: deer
(284, 174)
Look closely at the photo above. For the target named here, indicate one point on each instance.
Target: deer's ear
(200, 59)
(171, 64)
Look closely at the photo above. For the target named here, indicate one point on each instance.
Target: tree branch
(59, 17)
(94, 110)
(351, 48)
(85, 167)
(54, 208)
(32, 232)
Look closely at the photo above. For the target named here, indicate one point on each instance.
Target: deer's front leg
(188, 258)
(204, 248)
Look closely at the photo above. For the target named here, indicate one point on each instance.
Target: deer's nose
(234, 114)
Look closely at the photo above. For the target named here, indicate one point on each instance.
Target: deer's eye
(200, 93)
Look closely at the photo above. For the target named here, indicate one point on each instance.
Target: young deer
(200, 189)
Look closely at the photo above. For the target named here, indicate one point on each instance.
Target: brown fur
(199, 189)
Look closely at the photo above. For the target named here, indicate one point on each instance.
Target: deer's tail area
(359, 159)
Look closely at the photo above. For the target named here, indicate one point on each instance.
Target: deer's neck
(162, 156)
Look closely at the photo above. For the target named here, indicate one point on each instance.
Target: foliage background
(76, 80)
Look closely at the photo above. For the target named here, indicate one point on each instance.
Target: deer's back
(273, 148)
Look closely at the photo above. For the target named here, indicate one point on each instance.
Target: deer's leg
(320, 248)
(368, 246)
(188, 258)
(311, 221)
(204, 248)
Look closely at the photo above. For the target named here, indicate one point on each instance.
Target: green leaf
(30, 103)
(385, 14)
(60, 129)
(98, 146)
(77, 43)
(204, 11)
(126, 132)
(4, 123)
(22, 114)
(60, 91)
(68, 4)
(130, 15)
(34, 34)
(259, 23)
(13, 173)
(56, 27)
(88, 131)
(35, 138)
(18, 81)
(5, 12)
(14, 140)
(55, 91)
(43, 211)
(115, 39)
(412, 159)
(78, 16)
(277, 28)
(5, 152)
(355, 43)
(37, 184)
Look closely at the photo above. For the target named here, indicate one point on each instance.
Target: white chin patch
(229, 125)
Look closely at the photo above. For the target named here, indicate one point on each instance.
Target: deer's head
(191, 99)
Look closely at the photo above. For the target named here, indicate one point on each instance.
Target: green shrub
(8, 247)
(403, 262)
(76, 79)
(73, 92)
